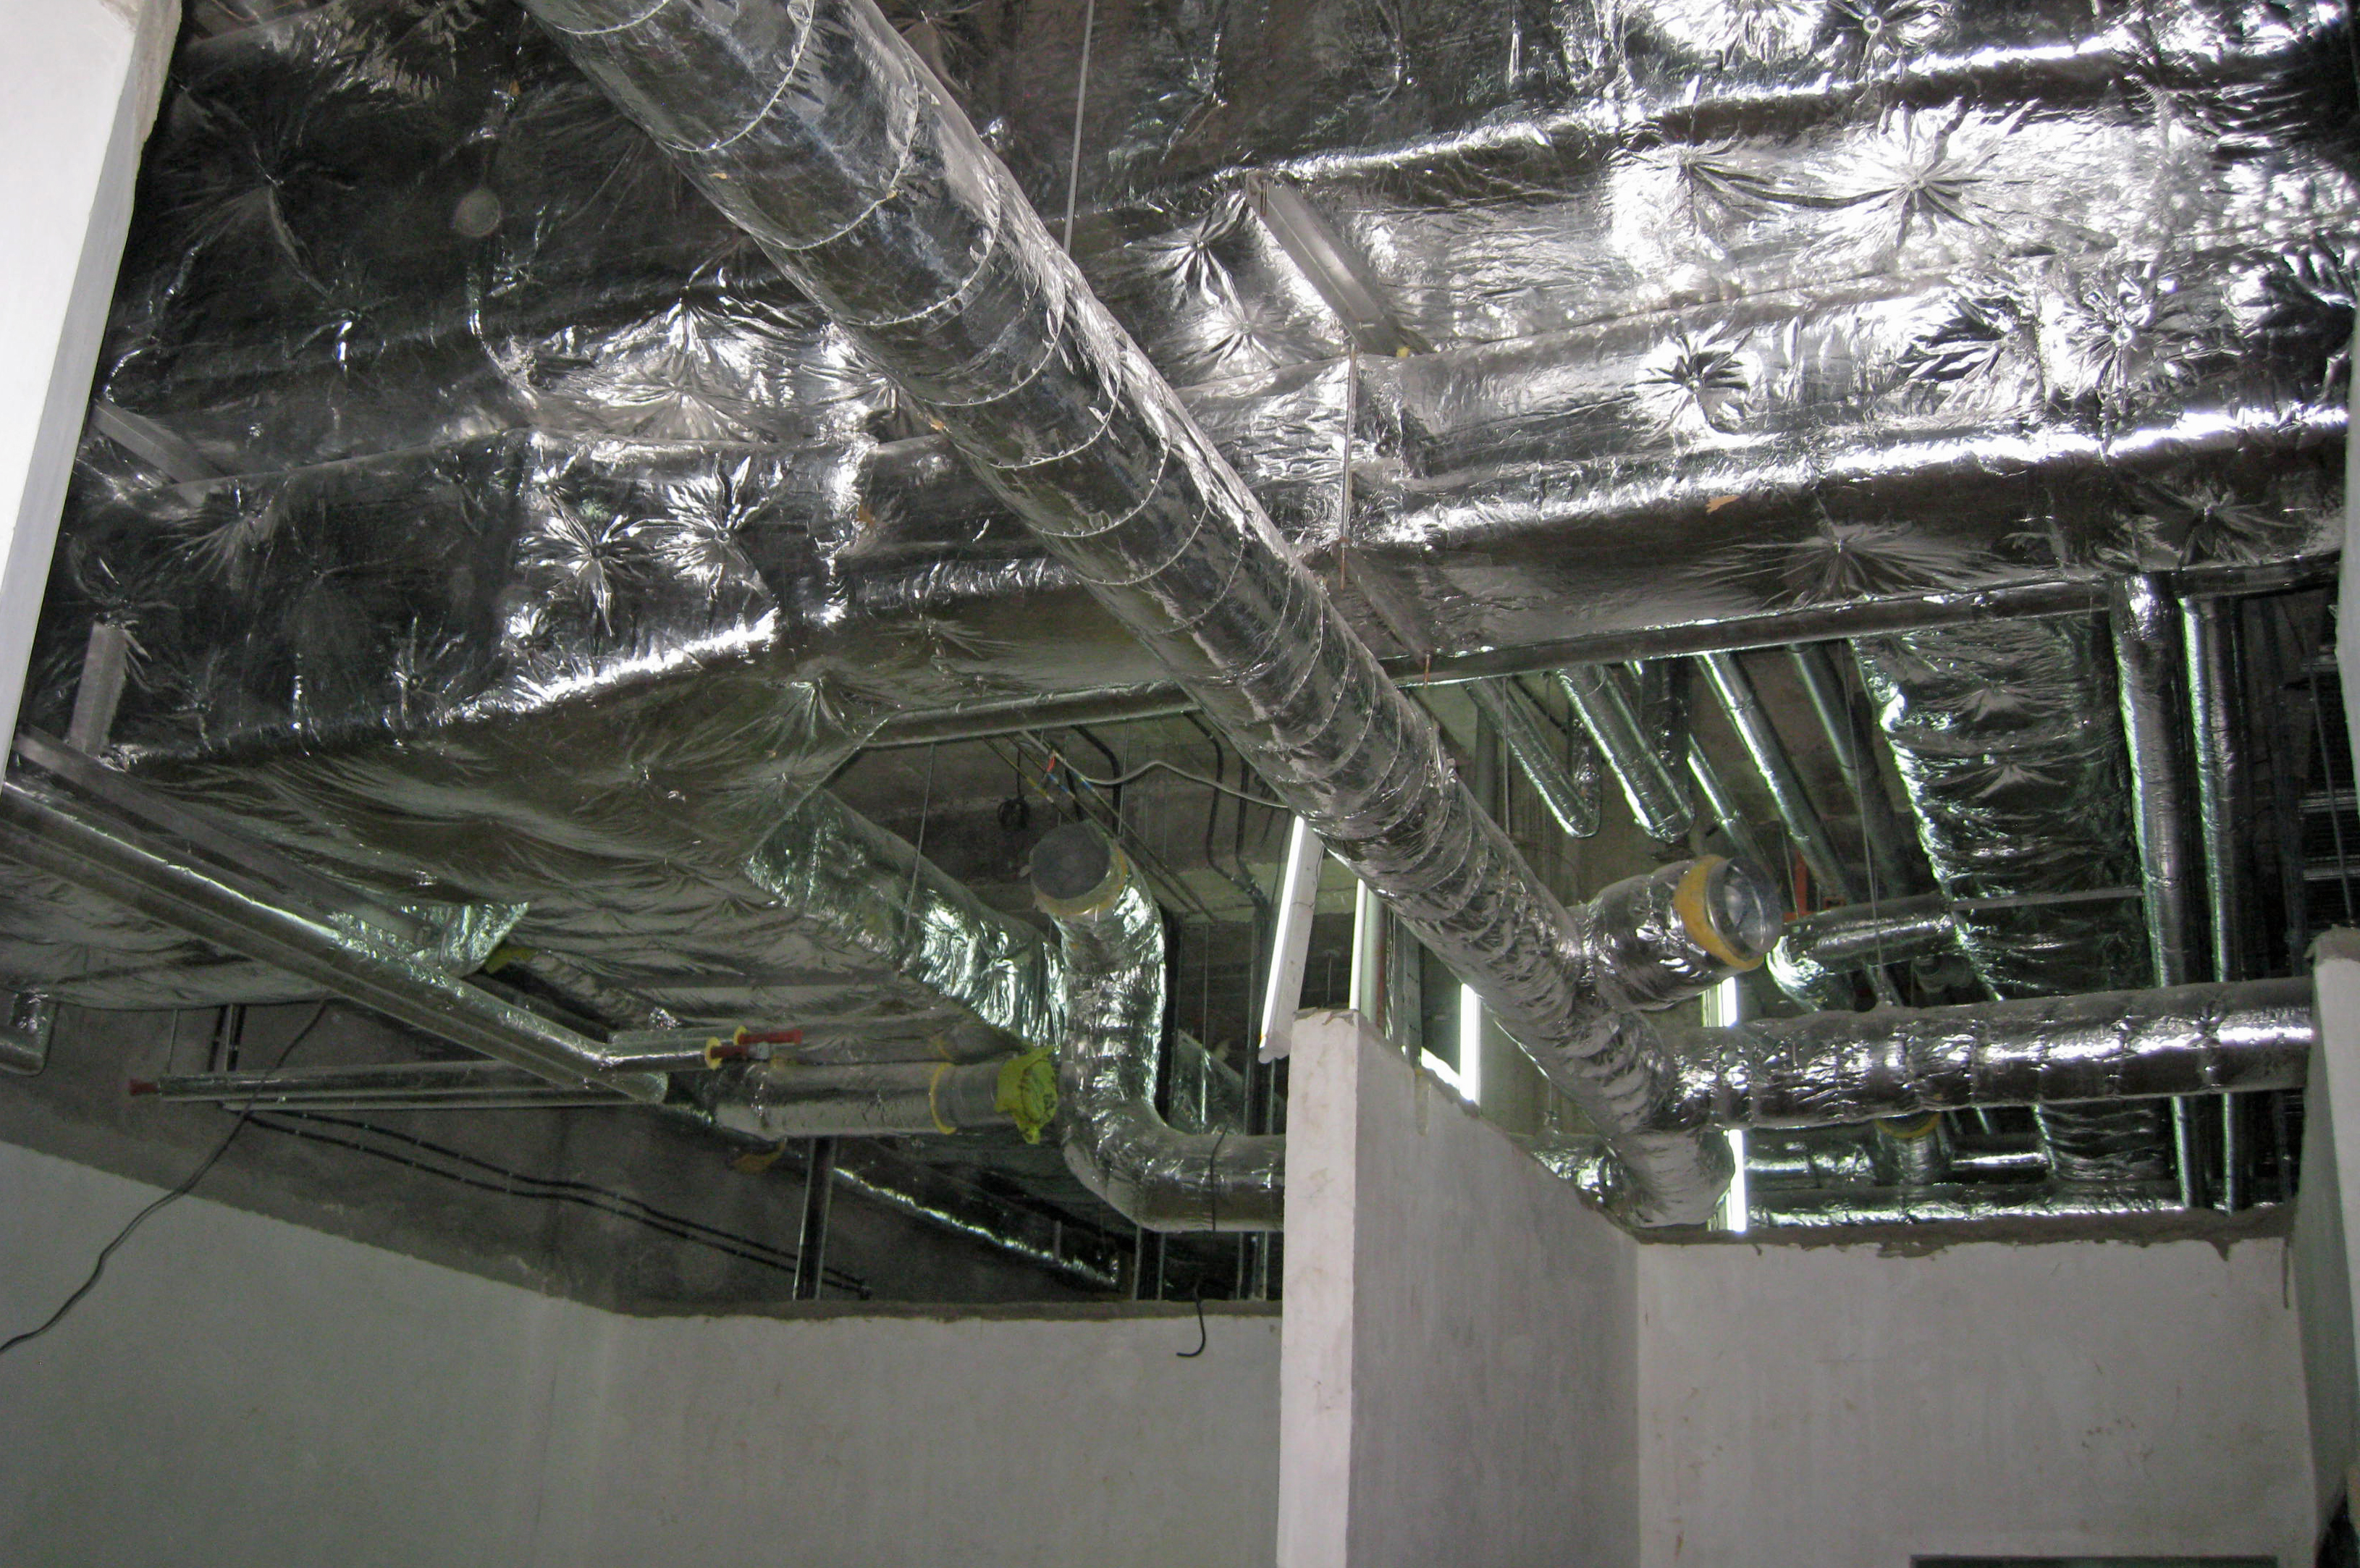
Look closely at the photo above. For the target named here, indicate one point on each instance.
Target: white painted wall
(241, 1391)
(78, 80)
(1840, 1409)
(1457, 1384)
(2327, 1215)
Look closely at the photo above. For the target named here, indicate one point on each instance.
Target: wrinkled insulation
(495, 526)
(2010, 745)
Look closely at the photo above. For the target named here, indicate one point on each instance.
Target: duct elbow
(1117, 1145)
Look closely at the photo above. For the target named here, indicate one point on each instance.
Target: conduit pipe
(1602, 704)
(816, 129)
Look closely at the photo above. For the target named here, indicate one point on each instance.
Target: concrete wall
(2321, 1255)
(1843, 1409)
(241, 1391)
(1458, 1384)
(78, 80)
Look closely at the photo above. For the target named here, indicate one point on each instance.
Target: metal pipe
(1082, 1255)
(2147, 665)
(1830, 1068)
(1760, 736)
(1723, 806)
(128, 795)
(1570, 793)
(817, 130)
(54, 835)
(811, 1239)
(776, 1101)
(1599, 700)
(2213, 691)
(408, 1086)
(1895, 857)
(1816, 955)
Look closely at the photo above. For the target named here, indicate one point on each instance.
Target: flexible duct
(818, 132)
(1817, 956)
(1114, 1140)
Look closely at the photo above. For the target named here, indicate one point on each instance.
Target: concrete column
(79, 84)
(2326, 1216)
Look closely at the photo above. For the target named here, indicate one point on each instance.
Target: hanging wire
(188, 1185)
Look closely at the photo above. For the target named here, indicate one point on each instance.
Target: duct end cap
(1731, 908)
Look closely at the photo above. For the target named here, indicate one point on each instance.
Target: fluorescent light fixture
(1471, 1045)
(1723, 1005)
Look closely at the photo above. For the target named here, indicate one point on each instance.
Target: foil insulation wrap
(2063, 1203)
(1830, 1068)
(1154, 1174)
(2009, 741)
(2004, 297)
(1817, 956)
(777, 1101)
(826, 138)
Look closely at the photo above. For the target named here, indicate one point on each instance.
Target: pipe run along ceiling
(495, 526)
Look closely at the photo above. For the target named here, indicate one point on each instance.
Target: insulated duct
(820, 132)
(1116, 1142)
(1569, 790)
(63, 840)
(1660, 806)
(2008, 741)
(1817, 956)
(1831, 1068)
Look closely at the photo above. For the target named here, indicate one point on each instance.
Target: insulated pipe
(1752, 722)
(1964, 1203)
(1723, 806)
(2147, 669)
(815, 128)
(1657, 802)
(1831, 1068)
(1570, 795)
(2221, 784)
(1891, 847)
(1816, 955)
(55, 836)
(1155, 1176)
(781, 1100)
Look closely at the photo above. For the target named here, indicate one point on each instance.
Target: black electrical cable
(188, 1185)
(1212, 1227)
(543, 1189)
